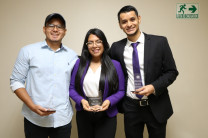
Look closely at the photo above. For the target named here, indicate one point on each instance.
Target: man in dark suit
(149, 104)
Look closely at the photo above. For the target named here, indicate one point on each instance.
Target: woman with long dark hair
(97, 85)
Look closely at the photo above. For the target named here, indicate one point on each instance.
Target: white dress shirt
(128, 51)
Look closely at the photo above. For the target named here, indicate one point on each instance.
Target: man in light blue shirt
(41, 78)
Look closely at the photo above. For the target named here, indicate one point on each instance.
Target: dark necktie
(136, 68)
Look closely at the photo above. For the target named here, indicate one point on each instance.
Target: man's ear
(119, 24)
(65, 31)
(139, 18)
(44, 28)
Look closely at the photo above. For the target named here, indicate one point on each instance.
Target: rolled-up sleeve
(20, 71)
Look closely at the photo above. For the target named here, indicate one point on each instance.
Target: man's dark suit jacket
(159, 70)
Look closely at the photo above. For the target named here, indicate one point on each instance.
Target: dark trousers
(95, 125)
(135, 117)
(34, 131)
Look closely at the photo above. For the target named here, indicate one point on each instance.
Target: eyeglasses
(58, 27)
(97, 43)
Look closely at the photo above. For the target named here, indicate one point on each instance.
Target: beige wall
(22, 21)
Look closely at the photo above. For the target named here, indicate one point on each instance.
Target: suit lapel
(121, 54)
(147, 44)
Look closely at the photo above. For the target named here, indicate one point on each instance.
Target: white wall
(22, 21)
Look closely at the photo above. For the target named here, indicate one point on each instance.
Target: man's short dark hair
(127, 8)
(55, 16)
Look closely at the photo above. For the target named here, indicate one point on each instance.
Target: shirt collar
(140, 40)
(45, 45)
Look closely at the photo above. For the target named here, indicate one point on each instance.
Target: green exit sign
(187, 10)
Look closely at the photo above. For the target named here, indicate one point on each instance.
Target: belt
(142, 102)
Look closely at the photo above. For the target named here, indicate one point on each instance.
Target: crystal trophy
(96, 100)
(50, 107)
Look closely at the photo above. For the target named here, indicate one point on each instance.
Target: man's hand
(41, 111)
(23, 95)
(145, 90)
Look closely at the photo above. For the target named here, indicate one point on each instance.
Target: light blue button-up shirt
(46, 76)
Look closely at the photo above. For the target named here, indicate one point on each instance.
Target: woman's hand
(86, 105)
(105, 105)
(96, 108)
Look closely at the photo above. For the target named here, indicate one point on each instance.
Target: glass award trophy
(50, 107)
(95, 100)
